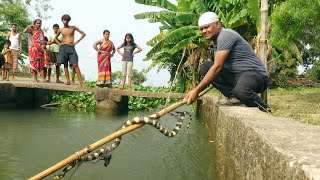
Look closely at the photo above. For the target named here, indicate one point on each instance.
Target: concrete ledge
(101, 92)
(26, 92)
(250, 144)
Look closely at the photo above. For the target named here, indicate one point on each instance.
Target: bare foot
(13, 79)
(67, 83)
(58, 81)
(36, 80)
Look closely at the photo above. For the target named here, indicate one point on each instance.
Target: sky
(93, 17)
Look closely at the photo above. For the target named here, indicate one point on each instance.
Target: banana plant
(178, 38)
(179, 44)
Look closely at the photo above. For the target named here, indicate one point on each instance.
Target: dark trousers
(244, 86)
(2, 60)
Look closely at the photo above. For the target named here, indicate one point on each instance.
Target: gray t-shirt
(127, 52)
(241, 57)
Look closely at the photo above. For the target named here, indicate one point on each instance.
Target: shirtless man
(67, 52)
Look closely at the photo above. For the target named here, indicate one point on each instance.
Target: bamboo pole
(107, 139)
(84, 151)
(264, 41)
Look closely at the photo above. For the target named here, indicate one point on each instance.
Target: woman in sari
(106, 50)
(36, 48)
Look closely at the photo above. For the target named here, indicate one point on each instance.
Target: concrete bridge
(26, 92)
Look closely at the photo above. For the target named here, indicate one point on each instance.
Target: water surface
(32, 140)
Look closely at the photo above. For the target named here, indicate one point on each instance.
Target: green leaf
(159, 3)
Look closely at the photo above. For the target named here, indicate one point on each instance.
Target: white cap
(207, 18)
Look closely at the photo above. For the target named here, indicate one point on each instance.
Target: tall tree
(20, 12)
(37, 8)
(295, 29)
(9, 16)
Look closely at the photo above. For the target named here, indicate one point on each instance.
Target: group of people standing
(59, 49)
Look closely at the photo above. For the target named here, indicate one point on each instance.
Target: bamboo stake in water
(107, 139)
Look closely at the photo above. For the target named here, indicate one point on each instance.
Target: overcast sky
(93, 17)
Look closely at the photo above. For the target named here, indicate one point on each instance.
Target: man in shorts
(67, 52)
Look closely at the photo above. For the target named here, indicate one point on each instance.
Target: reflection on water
(34, 139)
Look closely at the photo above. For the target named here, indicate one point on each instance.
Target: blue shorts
(67, 54)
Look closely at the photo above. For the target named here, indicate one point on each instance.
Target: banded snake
(106, 152)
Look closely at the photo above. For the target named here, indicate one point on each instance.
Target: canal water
(32, 140)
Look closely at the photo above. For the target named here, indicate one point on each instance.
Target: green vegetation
(83, 101)
(18, 12)
(138, 77)
(140, 103)
(314, 72)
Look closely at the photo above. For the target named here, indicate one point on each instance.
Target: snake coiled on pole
(106, 152)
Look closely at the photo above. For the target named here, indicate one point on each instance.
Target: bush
(142, 103)
(83, 101)
(314, 72)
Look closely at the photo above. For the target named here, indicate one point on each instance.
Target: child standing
(6, 51)
(47, 62)
(127, 58)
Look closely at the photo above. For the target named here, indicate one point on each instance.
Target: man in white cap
(236, 71)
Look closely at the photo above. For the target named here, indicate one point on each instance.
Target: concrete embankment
(250, 144)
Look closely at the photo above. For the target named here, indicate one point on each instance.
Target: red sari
(104, 63)
(36, 53)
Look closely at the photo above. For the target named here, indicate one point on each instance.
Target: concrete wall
(29, 95)
(250, 144)
(24, 97)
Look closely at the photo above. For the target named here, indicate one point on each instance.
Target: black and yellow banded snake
(106, 152)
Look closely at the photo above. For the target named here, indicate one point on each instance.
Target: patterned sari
(104, 63)
(36, 53)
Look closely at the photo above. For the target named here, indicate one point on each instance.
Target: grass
(301, 104)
